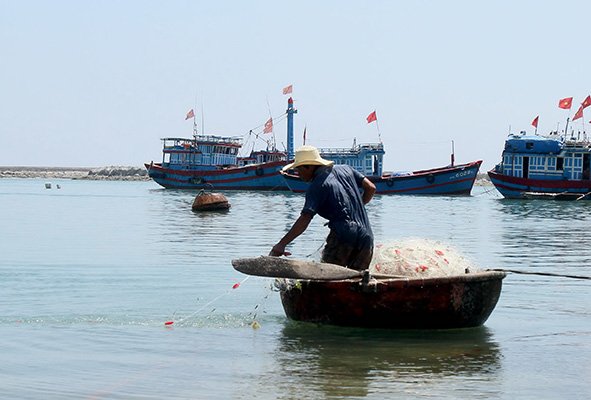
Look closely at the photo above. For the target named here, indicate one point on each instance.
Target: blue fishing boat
(368, 158)
(550, 167)
(208, 161)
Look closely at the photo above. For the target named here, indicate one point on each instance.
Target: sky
(98, 83)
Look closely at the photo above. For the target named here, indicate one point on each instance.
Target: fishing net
(419, 258)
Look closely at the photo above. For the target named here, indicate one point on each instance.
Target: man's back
(335, 195)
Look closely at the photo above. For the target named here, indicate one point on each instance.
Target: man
(334, 194)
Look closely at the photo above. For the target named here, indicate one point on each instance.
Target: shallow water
(90, 273)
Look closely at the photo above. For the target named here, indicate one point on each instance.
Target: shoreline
(110, 173)
(113, 173)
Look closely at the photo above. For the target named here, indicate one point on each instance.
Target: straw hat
(307, 155)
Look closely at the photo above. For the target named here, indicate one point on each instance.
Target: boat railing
(227, 140)
(582, 144)
(353, 150)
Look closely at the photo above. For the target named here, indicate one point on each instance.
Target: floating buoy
(48, 185)
(210, 202)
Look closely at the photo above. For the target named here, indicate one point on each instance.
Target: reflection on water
(548, 230)
(356, 362)
(544, 209)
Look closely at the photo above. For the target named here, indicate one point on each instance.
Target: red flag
(268, 126)
(565, 103)
(372, 117)
(190, 114)
(535, 121)
(287, 89)
(587, 102)
(579, 113)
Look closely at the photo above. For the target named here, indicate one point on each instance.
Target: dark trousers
(354, 257)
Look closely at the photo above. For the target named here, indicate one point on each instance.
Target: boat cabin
(214, 151)
(538, 157)
(365, 158)
(262, 156)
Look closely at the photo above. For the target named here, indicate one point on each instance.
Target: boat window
(559, 163)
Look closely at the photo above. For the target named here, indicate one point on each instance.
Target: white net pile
(419, 258)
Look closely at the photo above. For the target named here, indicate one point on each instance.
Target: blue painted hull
(456, 180)
(252, 177)
(516, 188)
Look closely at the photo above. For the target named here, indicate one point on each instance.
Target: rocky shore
(111, 173)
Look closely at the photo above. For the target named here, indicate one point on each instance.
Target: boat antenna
(202, 120)
(305, 126)
(194, 126)
(273, 131)
(378, 128)
(566, 128)
(453, 156)
(194, 118)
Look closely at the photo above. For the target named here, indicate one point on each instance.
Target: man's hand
(278, 250)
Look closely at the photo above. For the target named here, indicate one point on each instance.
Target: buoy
(48, 185)
(210, 202)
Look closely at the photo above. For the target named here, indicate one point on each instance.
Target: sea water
(91, 273)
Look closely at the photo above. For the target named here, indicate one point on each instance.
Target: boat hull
(251, 177)
(521, 188)
(456, 180)
(433, 303)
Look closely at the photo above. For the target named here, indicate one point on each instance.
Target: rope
(181, 320)
(487, 191)
(256, 133)
(258, 130)
(540, 273)
(316, 251)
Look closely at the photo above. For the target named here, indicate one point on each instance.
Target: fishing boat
(543, 167)
(367, 159)
(208, 161)
(337, 295)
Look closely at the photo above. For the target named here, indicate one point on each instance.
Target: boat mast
(290, 112)
(202, 120)
(195, 127)
(453, 157)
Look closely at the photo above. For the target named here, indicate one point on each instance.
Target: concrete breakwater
(114, 173)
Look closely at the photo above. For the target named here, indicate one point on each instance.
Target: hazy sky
(97, 83)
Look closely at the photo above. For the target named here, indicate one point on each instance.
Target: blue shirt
(335, 195)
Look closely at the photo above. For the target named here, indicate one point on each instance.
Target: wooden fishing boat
(450, 180)
(539, 167)
(361, 300)
(206, 161)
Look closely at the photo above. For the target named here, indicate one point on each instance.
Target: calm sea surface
(90, 273)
